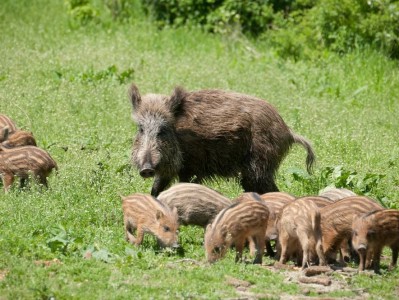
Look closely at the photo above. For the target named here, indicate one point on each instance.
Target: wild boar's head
(156, 150)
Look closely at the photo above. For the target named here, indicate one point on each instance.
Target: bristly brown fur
(196, 204)
(300, 232)
(145, 214)
(234, 225)
(371, 232)
(22, 162)
(208, 133)
(12, 137)
(336, 220)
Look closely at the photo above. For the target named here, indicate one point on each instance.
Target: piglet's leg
(239, 244)
(260, 247)
(320, 253)
(8, 179)
(395, 250)
(128, 233)
(283, 241)
(252, 247)
(376, 260)
(140, 235)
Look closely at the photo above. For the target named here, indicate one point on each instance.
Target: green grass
(69, 86)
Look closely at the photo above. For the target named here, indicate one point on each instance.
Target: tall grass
(68, 85)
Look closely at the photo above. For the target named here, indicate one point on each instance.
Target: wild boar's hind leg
(261, 185)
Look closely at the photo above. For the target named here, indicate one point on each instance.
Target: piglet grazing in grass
(336, 222)
(234, 225)
(196, 204)
(374, 230)
(336, 193)
(300, 233)
(274, 202)
(11, 137)
(145, 214)
(23, 162)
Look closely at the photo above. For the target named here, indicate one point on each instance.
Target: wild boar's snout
(147, 171)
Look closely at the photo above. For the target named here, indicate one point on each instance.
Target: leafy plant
(111, 72)
(61, 240)
(342, 178)
(81, 11)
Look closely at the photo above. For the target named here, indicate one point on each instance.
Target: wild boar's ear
(159, 214)
(134, 96)
(176, 99)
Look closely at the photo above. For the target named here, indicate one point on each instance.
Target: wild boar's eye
(166, 228)
(354, 233)
(140, 129)
(162, 132)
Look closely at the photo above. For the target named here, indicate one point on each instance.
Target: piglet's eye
(166, 228)
(354, 233)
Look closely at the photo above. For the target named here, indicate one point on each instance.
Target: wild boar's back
(228, 128)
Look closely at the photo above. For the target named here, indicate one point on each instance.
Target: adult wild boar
(207, 133)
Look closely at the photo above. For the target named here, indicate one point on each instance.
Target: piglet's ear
(175, 101)
(5, 133)
(159, 214)
(134, 96)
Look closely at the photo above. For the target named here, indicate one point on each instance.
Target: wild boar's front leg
(160, 184)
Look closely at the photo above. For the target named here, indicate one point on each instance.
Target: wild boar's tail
(310, 158)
